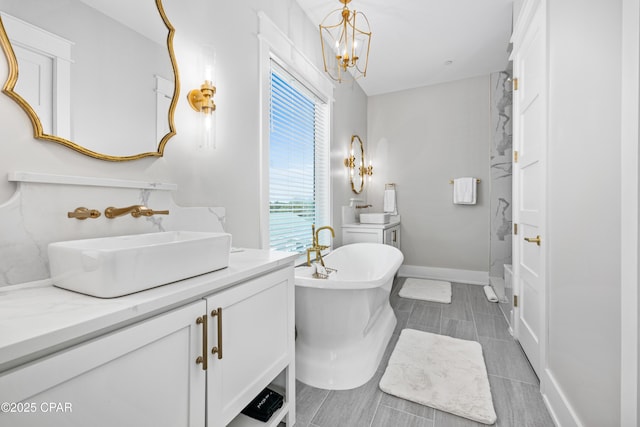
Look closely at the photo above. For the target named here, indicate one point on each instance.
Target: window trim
(275, 46)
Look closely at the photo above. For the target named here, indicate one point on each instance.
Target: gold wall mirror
(355, 163)
(98, 76)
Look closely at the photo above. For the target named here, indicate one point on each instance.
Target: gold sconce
(356, 162)
(348, 42)
(350, 162)
(201, 100)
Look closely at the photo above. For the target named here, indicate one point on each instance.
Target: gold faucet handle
(144, 211)
(83, 213)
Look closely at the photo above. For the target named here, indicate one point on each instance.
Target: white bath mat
(427, 290)
(444, 373)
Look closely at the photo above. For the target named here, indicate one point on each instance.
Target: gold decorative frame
(38, 133)
(350, 163)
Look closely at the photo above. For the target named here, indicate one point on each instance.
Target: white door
(35, 84)
(529, 102)
(44, 74)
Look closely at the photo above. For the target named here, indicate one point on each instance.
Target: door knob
(535, 240)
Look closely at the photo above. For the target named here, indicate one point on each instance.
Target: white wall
(349, 118)
(228, 176)
(630, 261)
(517, 6)
(420, 139)
(584, 200)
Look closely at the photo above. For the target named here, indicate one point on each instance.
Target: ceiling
(413, 40)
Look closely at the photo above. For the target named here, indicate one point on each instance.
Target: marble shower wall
(501, 169)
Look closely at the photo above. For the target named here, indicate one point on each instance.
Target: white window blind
(298, 163)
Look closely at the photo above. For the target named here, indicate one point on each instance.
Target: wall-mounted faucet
(136, 211)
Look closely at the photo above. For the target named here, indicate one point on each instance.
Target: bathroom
(592, 215)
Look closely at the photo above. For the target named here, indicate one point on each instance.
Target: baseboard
(562, 413)
(471, 277)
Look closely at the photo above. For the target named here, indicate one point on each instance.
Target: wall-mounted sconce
(201, 100)
(350, 162)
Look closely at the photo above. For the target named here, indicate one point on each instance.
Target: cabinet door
(141, 375)
(255, 345)
(361, 235)
(392, 236)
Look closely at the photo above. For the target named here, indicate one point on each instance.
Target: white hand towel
(389, 202)
(464, 191)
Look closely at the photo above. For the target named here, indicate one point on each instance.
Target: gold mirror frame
(354, 167)
(38, 132)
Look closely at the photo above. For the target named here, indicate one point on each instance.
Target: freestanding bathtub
(344, 322)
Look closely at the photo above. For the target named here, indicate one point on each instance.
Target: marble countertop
(37, 318)
(392, 223)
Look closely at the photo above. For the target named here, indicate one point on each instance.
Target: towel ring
(477, 180)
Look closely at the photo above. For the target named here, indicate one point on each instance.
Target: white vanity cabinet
(142, 375)
(388, 234)
(251, 341)
(162, 371)
(392, 236)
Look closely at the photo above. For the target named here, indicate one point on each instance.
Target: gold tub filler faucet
(136, 211)
(318, 248)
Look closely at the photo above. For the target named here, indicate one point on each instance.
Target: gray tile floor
(514, 385)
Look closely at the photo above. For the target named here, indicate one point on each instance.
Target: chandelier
(345, 42)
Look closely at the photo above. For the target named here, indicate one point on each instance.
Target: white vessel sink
(374, 218)
(114, 266)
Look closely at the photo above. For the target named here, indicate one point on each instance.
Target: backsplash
(36, 215)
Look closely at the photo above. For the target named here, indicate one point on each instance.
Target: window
(298, 162)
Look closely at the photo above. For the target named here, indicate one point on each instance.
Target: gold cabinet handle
(218, 349)
(535, 240)
(202, 320)
(394, 236)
